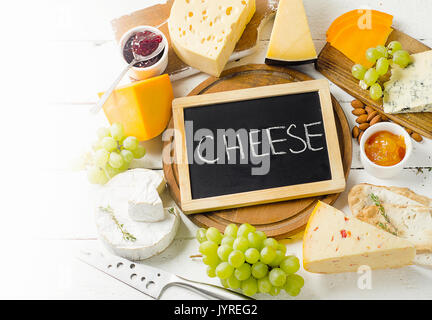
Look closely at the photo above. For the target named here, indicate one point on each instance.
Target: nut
(357, 104)
(408, 130)
(355, 132)
(371, 115)
(376, 119)
(416, 137)
(364, 126)
(369, 109)
(359, 137)
(362, 118)
(384, 117)
(358, 111)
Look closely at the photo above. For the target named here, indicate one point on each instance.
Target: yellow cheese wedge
(142, 107)
(291, 42)
(336, 243)
(204, 33)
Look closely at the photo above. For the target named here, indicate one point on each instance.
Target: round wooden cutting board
(280, 219)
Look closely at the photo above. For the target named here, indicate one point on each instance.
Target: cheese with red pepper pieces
(335, 243)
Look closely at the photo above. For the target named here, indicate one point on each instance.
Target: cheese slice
(291, 42)
(336, 243)
(204, 33)
(137, 192)
(410, 89)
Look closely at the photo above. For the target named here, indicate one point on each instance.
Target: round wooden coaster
(280, 219)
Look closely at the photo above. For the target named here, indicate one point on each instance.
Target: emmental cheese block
(291, 42)
(335, 243)
(204, 33)
(142, 107)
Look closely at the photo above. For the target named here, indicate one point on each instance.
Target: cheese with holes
(336, 243)
(291, 42)
(204, 33)
(410, 89)
(142, 107)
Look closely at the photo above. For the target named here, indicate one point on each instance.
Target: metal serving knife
(149, 280)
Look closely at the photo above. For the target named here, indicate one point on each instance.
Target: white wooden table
(53, 209)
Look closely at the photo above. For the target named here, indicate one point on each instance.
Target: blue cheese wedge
(410, 89)
(335, 243)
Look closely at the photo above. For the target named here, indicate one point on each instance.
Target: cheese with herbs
(336, 243)
(410, 89)
(204, 33)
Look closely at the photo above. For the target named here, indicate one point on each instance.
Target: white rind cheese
(410, 89)
(334, 243)
(204, 33)
(136, 191)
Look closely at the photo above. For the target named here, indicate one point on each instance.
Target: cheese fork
(148, 280)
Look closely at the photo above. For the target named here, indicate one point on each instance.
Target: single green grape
(292, 291)
(211, 260)
(101, 157)
(261, 234)
(227, 241)
(224, 283)
(401, 58)
(271, 242)
(296, 280)
(372, 55)
(245, 229)
(208, 248)
(290, 264)
(103, 132)
(201, 235)
(243, 272)
(233, 282)
(252, 255)
(110, 171)
(130, 143)
(224, 270)
(259, 270)
(211, 272)
(224, 251)
(139, 152)
(282, 248)
(382, 50)
(231, 230)
(382, 66)
(115, 160)
(280, 256)
(236, 258)
(127, 155)
(371, 76)
(358, 71)
(277, 277)
(264, 285)
(274, 291)
(249, 287)
(375, 91)
(117, 131)
(214, 235)
(394, 46)
(109, 144)
(255, 240)
(267, 255)
(96, 175)
(241, 244)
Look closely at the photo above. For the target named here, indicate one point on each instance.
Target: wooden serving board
(157, 16)
(337, 68)
(279, 219)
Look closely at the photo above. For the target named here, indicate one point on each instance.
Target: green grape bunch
(113, 153)
(245, 259)
(383, 59)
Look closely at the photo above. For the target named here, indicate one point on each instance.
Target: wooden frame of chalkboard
(334, 184)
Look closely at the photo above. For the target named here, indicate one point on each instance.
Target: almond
(362, 118)
(416, 137)
(369, 109)
(364, 126)
(357, 104)
(384, 117)
(408, 130)
(359, 137)
(358, 111)
(355, 132)
(376, 119)
(371, 115)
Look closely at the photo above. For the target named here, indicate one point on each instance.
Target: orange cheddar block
(142, 107)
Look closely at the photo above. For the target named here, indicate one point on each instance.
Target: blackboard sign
(256, 145)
